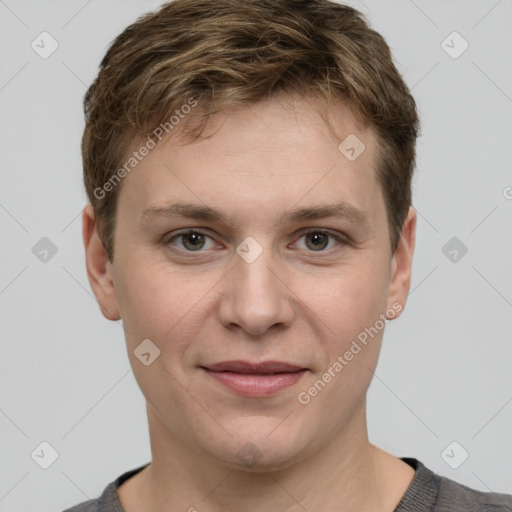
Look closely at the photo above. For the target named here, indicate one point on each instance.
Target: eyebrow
(341, 209)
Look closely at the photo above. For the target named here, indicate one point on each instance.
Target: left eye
(320, 240)
(192, 241)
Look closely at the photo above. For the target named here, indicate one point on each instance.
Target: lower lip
(256, 385)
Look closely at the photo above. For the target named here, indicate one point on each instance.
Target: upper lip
(247, 367)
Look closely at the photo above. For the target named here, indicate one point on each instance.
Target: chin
(251, 459)
(261, 448)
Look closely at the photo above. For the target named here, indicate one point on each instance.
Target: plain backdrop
(445, 371)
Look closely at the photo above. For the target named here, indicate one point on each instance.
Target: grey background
(445, 371)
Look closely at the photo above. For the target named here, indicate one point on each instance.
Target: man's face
(262, 275)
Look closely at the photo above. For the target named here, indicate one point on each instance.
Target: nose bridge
(256, 281)
(254, 298)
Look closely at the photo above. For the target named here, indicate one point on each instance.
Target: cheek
(351, 342)
(351, 300)
(352, 311)
(148, 303)
(162, 304)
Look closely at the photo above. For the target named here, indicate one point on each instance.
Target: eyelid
(331, 232)
(171, 235)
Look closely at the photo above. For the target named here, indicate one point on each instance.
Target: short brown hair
(222, 53)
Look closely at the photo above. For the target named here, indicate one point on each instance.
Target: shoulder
(430, 492)
(86, 506)
(455, 496)
(109, 499)
(107, 502)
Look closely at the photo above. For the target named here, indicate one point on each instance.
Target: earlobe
(401, 263)
(99, 268)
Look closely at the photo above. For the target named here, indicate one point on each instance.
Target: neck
(346, 474)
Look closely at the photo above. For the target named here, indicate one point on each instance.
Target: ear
(401, 264)
(99, 268)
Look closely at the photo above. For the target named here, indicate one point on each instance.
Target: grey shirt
(427, 492)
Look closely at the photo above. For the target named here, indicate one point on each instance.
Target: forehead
(279, 153)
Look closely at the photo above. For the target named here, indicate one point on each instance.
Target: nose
(255, 297)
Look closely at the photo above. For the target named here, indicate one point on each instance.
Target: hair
(224, 53)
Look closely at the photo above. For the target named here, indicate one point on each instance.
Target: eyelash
(341, 240)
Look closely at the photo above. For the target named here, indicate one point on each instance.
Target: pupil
(194, 241)
(319, 240)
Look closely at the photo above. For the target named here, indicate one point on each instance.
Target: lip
(245, 367)
(255, 379)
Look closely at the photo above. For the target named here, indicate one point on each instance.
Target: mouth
(255, 379)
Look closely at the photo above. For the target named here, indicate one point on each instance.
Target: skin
(295, 303)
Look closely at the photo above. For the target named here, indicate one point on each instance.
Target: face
(258, 263)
